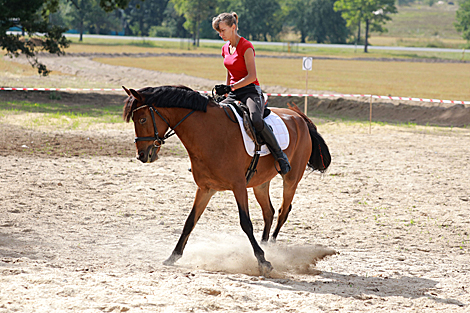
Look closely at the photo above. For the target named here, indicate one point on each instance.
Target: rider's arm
(227, 80)
(250, 67)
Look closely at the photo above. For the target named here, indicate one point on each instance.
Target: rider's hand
(222, 89)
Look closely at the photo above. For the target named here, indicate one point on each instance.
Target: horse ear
(136, 95)
(126, 90)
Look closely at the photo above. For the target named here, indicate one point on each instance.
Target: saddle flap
(277, 125)
(248, 125)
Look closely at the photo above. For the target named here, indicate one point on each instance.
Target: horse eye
(143, 120)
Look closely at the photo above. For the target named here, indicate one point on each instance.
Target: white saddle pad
(279, 130)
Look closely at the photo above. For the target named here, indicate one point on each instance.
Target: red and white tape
(59, 89)
(369, 96)
(269, 94)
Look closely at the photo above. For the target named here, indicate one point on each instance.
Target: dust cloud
(232, 253)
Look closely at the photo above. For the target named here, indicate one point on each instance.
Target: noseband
(157, 140)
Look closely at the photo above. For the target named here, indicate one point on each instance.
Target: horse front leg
(241, 196)
(201, 200)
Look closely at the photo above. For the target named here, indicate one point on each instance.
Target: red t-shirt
(235, 63)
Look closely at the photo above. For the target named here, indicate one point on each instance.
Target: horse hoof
(171, 260)
(265, 269)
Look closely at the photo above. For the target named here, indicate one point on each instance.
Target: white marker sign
(307, 63)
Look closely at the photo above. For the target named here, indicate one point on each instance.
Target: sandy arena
(84, 226)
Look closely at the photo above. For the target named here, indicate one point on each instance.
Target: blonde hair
(228, 18)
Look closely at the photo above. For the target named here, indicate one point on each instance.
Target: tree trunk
(366, 36)
(197, 33)
(358, 38)
(81, 30)
(302, 36)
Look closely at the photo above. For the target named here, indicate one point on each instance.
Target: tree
(195, 11)
(140, 15)
(174, 21)
(325, 24)
(317, 20)
(32, 17)
(81, 9)
(89, 15)
(297, 13)
(463, 19)
(260, 19)
(351, 11)
(374, 13)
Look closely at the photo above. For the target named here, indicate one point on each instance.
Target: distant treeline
(321, 21)
(265, 20)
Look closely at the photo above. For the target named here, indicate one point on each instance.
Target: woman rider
(241, 82)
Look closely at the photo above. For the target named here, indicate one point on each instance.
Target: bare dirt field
(84, 226)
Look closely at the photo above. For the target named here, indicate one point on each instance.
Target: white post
(370, 115)
(306, 66)
(306, 92)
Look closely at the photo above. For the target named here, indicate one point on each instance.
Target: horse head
(146, 126)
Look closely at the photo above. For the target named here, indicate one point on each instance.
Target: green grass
(75, 110)
(406, 79)
(98, 45)
(420, 25)
(423, 21)
(59, 116)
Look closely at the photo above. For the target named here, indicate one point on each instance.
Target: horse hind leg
(262, 196)
(283, 214)
(286, 207)
(201, 200)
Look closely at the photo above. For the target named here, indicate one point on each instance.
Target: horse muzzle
(148, 155)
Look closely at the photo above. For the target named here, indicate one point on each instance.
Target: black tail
(320, 157)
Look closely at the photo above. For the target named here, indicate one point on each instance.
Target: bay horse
(218, 157)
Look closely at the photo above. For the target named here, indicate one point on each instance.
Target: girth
(243, 111)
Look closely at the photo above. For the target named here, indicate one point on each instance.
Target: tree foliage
(140, 16)
(374, 13)
(327, 25)
(463, 19)
(315, 20)
(260, 19)
(298, 15)
(195, 11)
(32, 17)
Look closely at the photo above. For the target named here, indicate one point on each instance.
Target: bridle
(157, 140)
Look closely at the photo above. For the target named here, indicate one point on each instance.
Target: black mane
(174, 97)
(167, 97)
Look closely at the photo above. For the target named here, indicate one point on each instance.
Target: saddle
(243, 111)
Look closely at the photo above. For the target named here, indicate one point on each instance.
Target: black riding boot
(268, 137)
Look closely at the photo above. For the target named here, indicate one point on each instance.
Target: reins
(157, 140)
